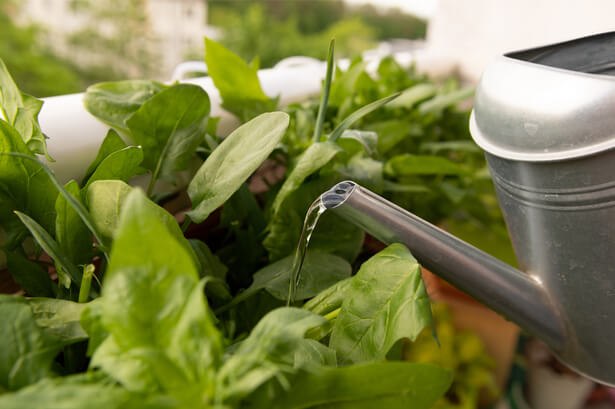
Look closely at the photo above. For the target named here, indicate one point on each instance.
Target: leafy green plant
(192, 316)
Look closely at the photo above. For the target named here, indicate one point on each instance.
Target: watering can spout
(514, 294)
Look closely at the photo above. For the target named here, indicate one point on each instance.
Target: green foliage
(386, 302)
(231, 163)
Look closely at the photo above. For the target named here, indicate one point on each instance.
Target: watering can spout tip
(338, 194)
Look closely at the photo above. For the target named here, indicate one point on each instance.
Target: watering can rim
(534, 112)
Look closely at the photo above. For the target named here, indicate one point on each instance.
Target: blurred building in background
(135, 37)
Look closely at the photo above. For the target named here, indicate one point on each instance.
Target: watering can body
(546, 120)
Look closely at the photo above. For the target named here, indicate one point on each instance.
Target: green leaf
(91, 323)
(119, 165)
(440, 102)
(407, 164)
(386, 301)
(104, 199)
(393, 131)
(23, 186)
(366, 171)
(59, 318)
(51, 247)
(73, 237)
(319, 271)
(413, 95)
(237, 82)
(268, 352)
(211, 266)
(21, 111)
(312, 159)
(162, 335)
(329, 299)
(344, 84)
(332, 233)
(358, 114)
(112, 143)
(114, 102)
(169, 127)
(27, 351)
(29, 275)
(391, 385)
(233, 161)
(366, 140)
(78, 392)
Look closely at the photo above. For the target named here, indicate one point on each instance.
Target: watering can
(545, 118)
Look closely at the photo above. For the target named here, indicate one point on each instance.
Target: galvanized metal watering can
(545, 118)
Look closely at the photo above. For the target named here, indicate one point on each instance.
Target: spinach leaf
(78, 392)
(119, 165)
(329, 299)
(319, 271)
(59, 318)
(438, 103)
(21, 111)
(237, 83)
(162, 335)
(67, 271)
(413, 95)
(27, 350)
(312, 159)
(114, 102)
(376, 385)
(386, 301)
(408, 164)
(23, 185)
(268, 352)
(29, 275)
(169, 127)
(104, 199)
(211, 266)
(233, 161)
(112, 143)
(73, 237)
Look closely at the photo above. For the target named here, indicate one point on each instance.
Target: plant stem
(324, 100)
(86, 282)
(186, 224)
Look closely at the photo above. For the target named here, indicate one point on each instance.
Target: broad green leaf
(162, 334)
(391, 385)
(332, 234)
(386, 301)
(237, 82)
(268, 352)
(319, 271)
(114, 102)
(344, 84)
(104, 200)
(312, 159)
(393, 131)
(358, 114)
(112, 143)
(91, 323)
(73, 237)
(51, 247)
(169, 127)
(59, 318)
(27, 350)
(329, 299)
(367, 142)
(21, 111)
(440, 102)
(78, 392)
(366, 171)
(407, 164)
(119, 165)
(211, 266)
(233, 161)
(413, 95)
(29, 275)
(23, 185)
(74, 202)
(454, 146)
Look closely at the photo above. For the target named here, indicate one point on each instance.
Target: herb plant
(127, 308)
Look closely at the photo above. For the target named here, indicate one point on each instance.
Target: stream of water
(327, 200)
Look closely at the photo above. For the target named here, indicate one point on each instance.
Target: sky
(421, 8)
